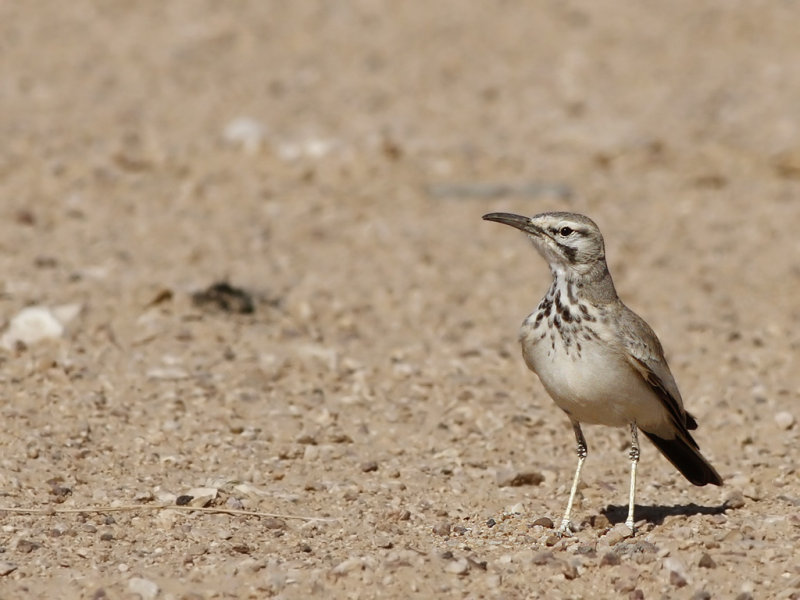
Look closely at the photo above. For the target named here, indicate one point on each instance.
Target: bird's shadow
(656, 514)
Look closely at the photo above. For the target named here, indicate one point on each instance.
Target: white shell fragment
(36, 323)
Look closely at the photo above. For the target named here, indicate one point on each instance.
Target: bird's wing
(646, 356)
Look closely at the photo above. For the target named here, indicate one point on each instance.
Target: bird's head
(571, 243)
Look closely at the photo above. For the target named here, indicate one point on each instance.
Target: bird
(598, 360)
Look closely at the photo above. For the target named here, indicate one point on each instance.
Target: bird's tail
(682, 451)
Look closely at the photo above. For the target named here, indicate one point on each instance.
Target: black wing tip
(691, 422)
(685, 456)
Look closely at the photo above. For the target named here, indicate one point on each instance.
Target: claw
(565, 530)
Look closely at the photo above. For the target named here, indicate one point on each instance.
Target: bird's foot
(565, 529)
(629, 525)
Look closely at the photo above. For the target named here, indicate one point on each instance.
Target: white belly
(593, 384)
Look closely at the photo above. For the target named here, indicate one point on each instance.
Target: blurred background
(331, 161)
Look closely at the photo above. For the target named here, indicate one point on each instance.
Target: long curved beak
(516, 221)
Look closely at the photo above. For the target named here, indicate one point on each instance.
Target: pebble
(369, 467)
(545, 522)
(569, 570)
(599, 522)
(706, 561)
(31, 325)
(515, 509)
(734, 500)
(677, 571)
(27, 546)
(202, 496)
(6, 567)
(701, 595)
(676, 579)
(616, 534)
(512, 478)
(457, 567)
(442, 529)
(273, 523)
(784, 419)
(146, 588)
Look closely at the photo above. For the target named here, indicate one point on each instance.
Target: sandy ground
(333, 160)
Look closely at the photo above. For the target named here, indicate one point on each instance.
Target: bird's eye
(565, 231)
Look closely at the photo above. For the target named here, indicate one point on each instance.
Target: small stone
(511, 478)
(31, 325)
(202, 496)
(442, 529)
(676, 579)
(457, 567)
(745, 596)
(784, 419)
(27, 546)
(616, 534)
(146, 588)
(273, 523)
(6, 568)
(677, 571)
(515, 509)
(734, 500)
(636, 594)
(543, 558)
(545, 522)
(599, 522)
(706, 561)
(609, 559)
(143, 496)
(569, 570)
(369, 467)
(491, 523)
(701, 595)
(551, 541)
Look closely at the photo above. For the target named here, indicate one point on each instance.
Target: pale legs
(634, 461)
(564, 529)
